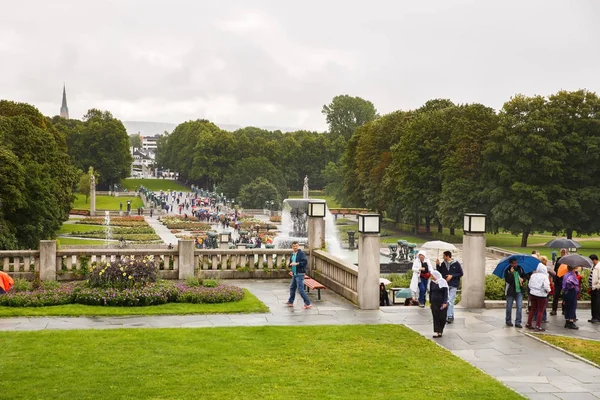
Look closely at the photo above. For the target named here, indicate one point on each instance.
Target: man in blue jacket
(452, 271)
(297, 264)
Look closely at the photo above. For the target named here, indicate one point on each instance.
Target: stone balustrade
(336, 274)
(20, 263)
(242, 263)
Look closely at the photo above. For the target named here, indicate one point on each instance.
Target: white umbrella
(384, 281)
(438, 245)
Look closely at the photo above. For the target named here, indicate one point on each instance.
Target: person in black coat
(438, 299)
(384, 298)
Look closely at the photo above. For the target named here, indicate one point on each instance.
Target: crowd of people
(562, 283)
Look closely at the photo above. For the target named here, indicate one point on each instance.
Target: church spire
(64, 110)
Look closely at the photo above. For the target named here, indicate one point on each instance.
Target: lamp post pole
(473, 283)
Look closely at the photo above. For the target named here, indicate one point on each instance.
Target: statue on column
(305, 188)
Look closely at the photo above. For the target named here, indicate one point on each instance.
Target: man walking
(514, 277)
(452, 271)
(297, 264)
(594, 284)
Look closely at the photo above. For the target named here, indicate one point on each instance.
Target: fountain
(108, 228)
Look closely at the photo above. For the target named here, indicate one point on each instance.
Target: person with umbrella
(514, 276)
(558, 281)
(451, 271)
(420, 279)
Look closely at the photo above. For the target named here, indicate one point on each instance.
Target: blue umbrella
(527, 262)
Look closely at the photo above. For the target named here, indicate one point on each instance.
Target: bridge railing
(336, 274)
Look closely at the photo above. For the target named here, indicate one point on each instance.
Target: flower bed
(132, 237)
(275, 218)
(178, 223)
(116, 221)
(150, 294)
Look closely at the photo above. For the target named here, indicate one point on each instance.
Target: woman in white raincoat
(421, 268)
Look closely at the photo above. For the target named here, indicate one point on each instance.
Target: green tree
(256, 193)
(346, 113)
(333, 177)
(522, 168)
(249, 169)
(36, 177)
(135, 140)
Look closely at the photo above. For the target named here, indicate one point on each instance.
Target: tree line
(532, 167)
(42, 161)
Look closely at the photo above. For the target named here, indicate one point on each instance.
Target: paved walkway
(161, 230)
(480, 337)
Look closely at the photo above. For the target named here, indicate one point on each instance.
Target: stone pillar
(368, 271)
(473, 263)
(316, 238)
(48, 260)
(186, 259)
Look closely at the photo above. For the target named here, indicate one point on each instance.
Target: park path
(161, 230)
(480, 337)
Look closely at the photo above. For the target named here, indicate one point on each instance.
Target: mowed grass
(249, 304)
(588, 349)
(308, 362)
(108, 203)
(154, 184)
(331, 201)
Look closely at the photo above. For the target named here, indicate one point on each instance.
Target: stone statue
(305, 188)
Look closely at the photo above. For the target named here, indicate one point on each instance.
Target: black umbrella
(563, 243)
(576, 260)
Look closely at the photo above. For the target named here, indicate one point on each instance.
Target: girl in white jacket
(539, 287)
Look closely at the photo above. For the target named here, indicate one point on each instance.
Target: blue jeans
(509, 304)
(451, 300)
(422, 290)
(298, 283)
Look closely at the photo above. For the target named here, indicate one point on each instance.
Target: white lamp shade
(368, 223)
(224, 237)
(474, 223)
(317, 208)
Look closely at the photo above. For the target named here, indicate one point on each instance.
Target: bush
(63, 294)
(21, 285)
(193, 281)
(210, 283)
(123, 274)
(203, 294)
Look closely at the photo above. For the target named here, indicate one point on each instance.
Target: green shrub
(210, 283)
(203, 294)
(148, 295)
(446, 237)
(193, 281)
(50, 285)
(21, 285)
(494, 288)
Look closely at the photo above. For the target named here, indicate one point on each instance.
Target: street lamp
(317, 208)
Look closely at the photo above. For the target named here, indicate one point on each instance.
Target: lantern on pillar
(317, 208)
(474, 223)
(368, 223)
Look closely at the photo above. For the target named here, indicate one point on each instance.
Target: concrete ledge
(234, 274)
(581, 305)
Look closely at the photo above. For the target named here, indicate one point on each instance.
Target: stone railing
(20, 263)
(71, 263)
(242, 263)
(336, 274)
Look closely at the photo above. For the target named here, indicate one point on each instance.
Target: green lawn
(108, 203)
(73, 241)
(331, 201)
(588, 349)
(249, 304)
(155, 185)
(270, 362)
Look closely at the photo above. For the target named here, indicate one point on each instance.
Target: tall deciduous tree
(36, 177)
(522, 168)
(256, 193)
(346, 113)
(135, 140)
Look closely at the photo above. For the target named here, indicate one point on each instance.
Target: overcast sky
(277, 62)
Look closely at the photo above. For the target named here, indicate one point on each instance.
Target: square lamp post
(224, 237)
(317, 208)
(368, 223)
(474, 223)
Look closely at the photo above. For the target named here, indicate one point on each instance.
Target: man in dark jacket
(514, 277)
(452, 271)
(297, 264)
(557, 283)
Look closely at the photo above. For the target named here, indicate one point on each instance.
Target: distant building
(143, 161)
(150, 142)
(64, 110)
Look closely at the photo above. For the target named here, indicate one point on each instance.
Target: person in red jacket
(6, 282)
